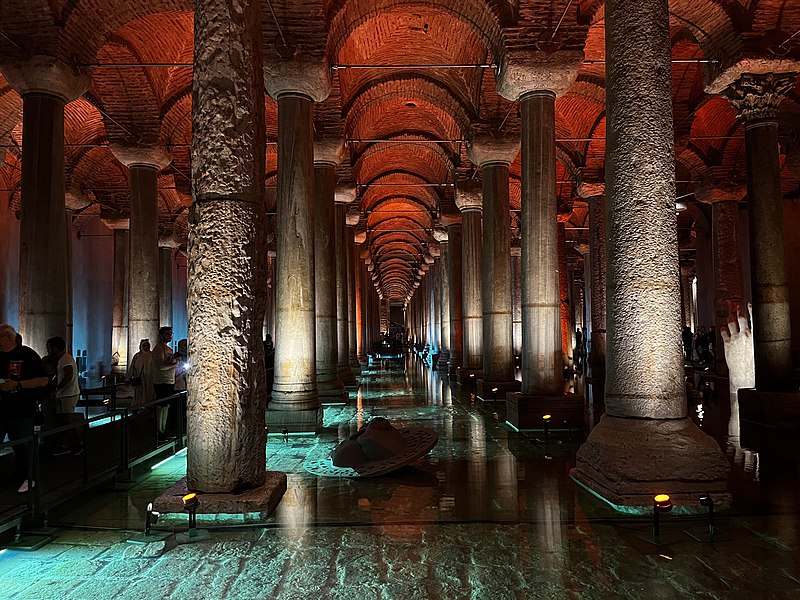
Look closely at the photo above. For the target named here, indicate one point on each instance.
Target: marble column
(470, 203)
(46, 86)
(440, 235)
(516, 299)
(295, 400)
(455, 278)
(352, 218)
(756, 99)
(165, 284)
(358, 240)
(119, 319)
(728, 285)
(143, 164)
(343, 196)
(595, 196)
(564, 297)
(328, 155)
(645, 443)
(226, 388)
(493, 156)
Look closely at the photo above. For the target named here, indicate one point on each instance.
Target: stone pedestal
(525, 411)
(295, 421)
(631, 460)
(496, 391)
(263, 499)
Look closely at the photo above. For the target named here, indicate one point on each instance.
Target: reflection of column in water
(360, 410)
(549, 520)
(504, 481)
(434, 390)
(298, 507)
(447, 394)
(476, 475)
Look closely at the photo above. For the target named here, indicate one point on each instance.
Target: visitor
(140, 374)
(164, 364)
(67, 394)
(23, 382)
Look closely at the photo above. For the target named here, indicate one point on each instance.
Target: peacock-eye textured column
(119, 318)
(328, 155)
(440, 235)
(227, 278)
(143, 164)
(470, 203)
(756, 99)
(595, 196)
(456, 294)
(344, 196)
(494, 155)
(645, 443)
(728, 285)
(353, 217)
(46, 86)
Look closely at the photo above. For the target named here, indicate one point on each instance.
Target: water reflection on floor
(490, 513)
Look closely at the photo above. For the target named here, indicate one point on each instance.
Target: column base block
(484, 389)
(468, 377)
(626, 462)
(295, 421)
(525, 411)
(769, 420)
(262, 499)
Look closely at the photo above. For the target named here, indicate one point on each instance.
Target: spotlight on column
(661, 503)
(707, 535)
(148, 536)
(190, 504)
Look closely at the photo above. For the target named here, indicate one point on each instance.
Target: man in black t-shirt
(22, 386)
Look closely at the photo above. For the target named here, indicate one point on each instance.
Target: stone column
(343, 196)
(165, 251)
(756, 99)
(353, 217)
(564, 298)
(295, 403)
(728, 285)
(46, 86)
(493, 156)
(327, 156)
(455, 279)
(440, 235)
(119, 324)
(143, 164)
(358, 269)
(470, 202)
(645, 443)
(595, 196)
(226, 387)
(516, 299)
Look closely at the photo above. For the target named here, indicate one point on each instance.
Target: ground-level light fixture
(661, 503)
(148, 535)
(190, 504)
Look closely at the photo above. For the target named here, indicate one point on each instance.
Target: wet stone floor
(490, 513)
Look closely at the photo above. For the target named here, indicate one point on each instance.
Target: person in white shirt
(67, 393)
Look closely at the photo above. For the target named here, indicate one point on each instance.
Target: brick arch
(425, 161)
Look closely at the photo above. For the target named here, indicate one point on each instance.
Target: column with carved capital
(46, 85)
(470, 203)
(440, 235)
(353, 217)
(645, 442)
(455, 279)
(756, 99)
(296, 84)
(728, 286)
(144, 164)
(328, 154)
(226, 278)
(119, 312)
(516, 299)
(594, 193)
(344, 195)
(493, 156)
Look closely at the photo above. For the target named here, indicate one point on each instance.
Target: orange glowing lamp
(662, 502)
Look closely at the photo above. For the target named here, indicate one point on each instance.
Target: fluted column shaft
(498, 350)
(328, 383)
(143, 288)
(226, 387)
(541, 323)
(295, 386)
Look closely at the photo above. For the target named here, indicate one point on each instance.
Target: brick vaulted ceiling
(405, 125)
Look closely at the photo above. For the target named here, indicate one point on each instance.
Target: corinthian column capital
(756, 97)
